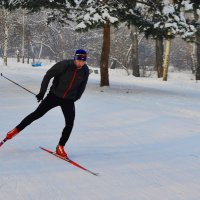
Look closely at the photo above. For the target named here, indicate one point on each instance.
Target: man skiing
(70, 79)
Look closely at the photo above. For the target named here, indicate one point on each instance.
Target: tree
(23, 34)
(166, 19)
(134, 52)
(93, 13)
(156, 18)
(197, 39)
(6, 35)
(105, 55)
(197, 49)
(100, 14)
(159, 57)
(7, 6)
(166, 58)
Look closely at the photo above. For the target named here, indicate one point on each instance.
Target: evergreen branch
(142, 2)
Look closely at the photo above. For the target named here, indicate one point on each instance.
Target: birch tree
(23, 34)
(166, 19)
(5, 35)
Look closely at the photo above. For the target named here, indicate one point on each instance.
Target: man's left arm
(82, 86)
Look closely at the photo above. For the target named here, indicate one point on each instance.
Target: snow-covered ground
(140, 134)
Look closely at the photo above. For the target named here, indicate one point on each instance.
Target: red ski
(69, 160)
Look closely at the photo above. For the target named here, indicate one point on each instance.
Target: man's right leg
(47, 104)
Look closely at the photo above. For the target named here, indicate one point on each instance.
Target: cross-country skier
(70, 79)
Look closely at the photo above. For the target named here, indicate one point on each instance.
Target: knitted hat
(80, 54)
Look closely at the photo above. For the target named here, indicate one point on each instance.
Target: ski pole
(18, 84)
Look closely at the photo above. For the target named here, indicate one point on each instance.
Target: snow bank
(140, 134)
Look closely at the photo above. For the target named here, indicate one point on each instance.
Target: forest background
(142, 37)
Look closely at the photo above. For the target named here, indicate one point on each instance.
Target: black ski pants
(51, 101)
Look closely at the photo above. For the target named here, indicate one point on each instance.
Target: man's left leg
(68, 109)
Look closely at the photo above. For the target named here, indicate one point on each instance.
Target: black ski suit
(68, 86)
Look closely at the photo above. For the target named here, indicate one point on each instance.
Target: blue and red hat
(80, 54)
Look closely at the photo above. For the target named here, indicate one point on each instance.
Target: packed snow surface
(140, 134)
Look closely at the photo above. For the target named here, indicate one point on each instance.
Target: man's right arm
(56, 70)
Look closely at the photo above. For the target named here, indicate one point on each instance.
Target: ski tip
(93, 173)
(3, 141)
(46, 150)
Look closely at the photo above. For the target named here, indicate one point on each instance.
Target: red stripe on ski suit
(71, 83)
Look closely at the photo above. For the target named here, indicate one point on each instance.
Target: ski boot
(60, 151)
(12, 133)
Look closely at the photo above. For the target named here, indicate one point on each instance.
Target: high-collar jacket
(69, 81)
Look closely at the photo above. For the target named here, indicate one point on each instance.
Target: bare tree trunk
(28, 45)
(41, 47)
(134, 52)
(105, 56)
(23, 34)
(17, 54)
(6, 34)
(198, 57)
(197, 50)
(193, 58)
(166, 59)
(33, 52)
(159, 57)
(28, 53)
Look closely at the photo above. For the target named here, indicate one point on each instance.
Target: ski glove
(39, 97)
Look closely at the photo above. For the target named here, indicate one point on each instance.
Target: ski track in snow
(141, 135)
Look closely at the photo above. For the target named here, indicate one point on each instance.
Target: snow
(81, 25)
(140, 134)
(106, 15)
(168, 9)
(188, 5)
(198, 12)
(96, 14)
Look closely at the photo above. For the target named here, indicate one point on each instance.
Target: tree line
(160, 20)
